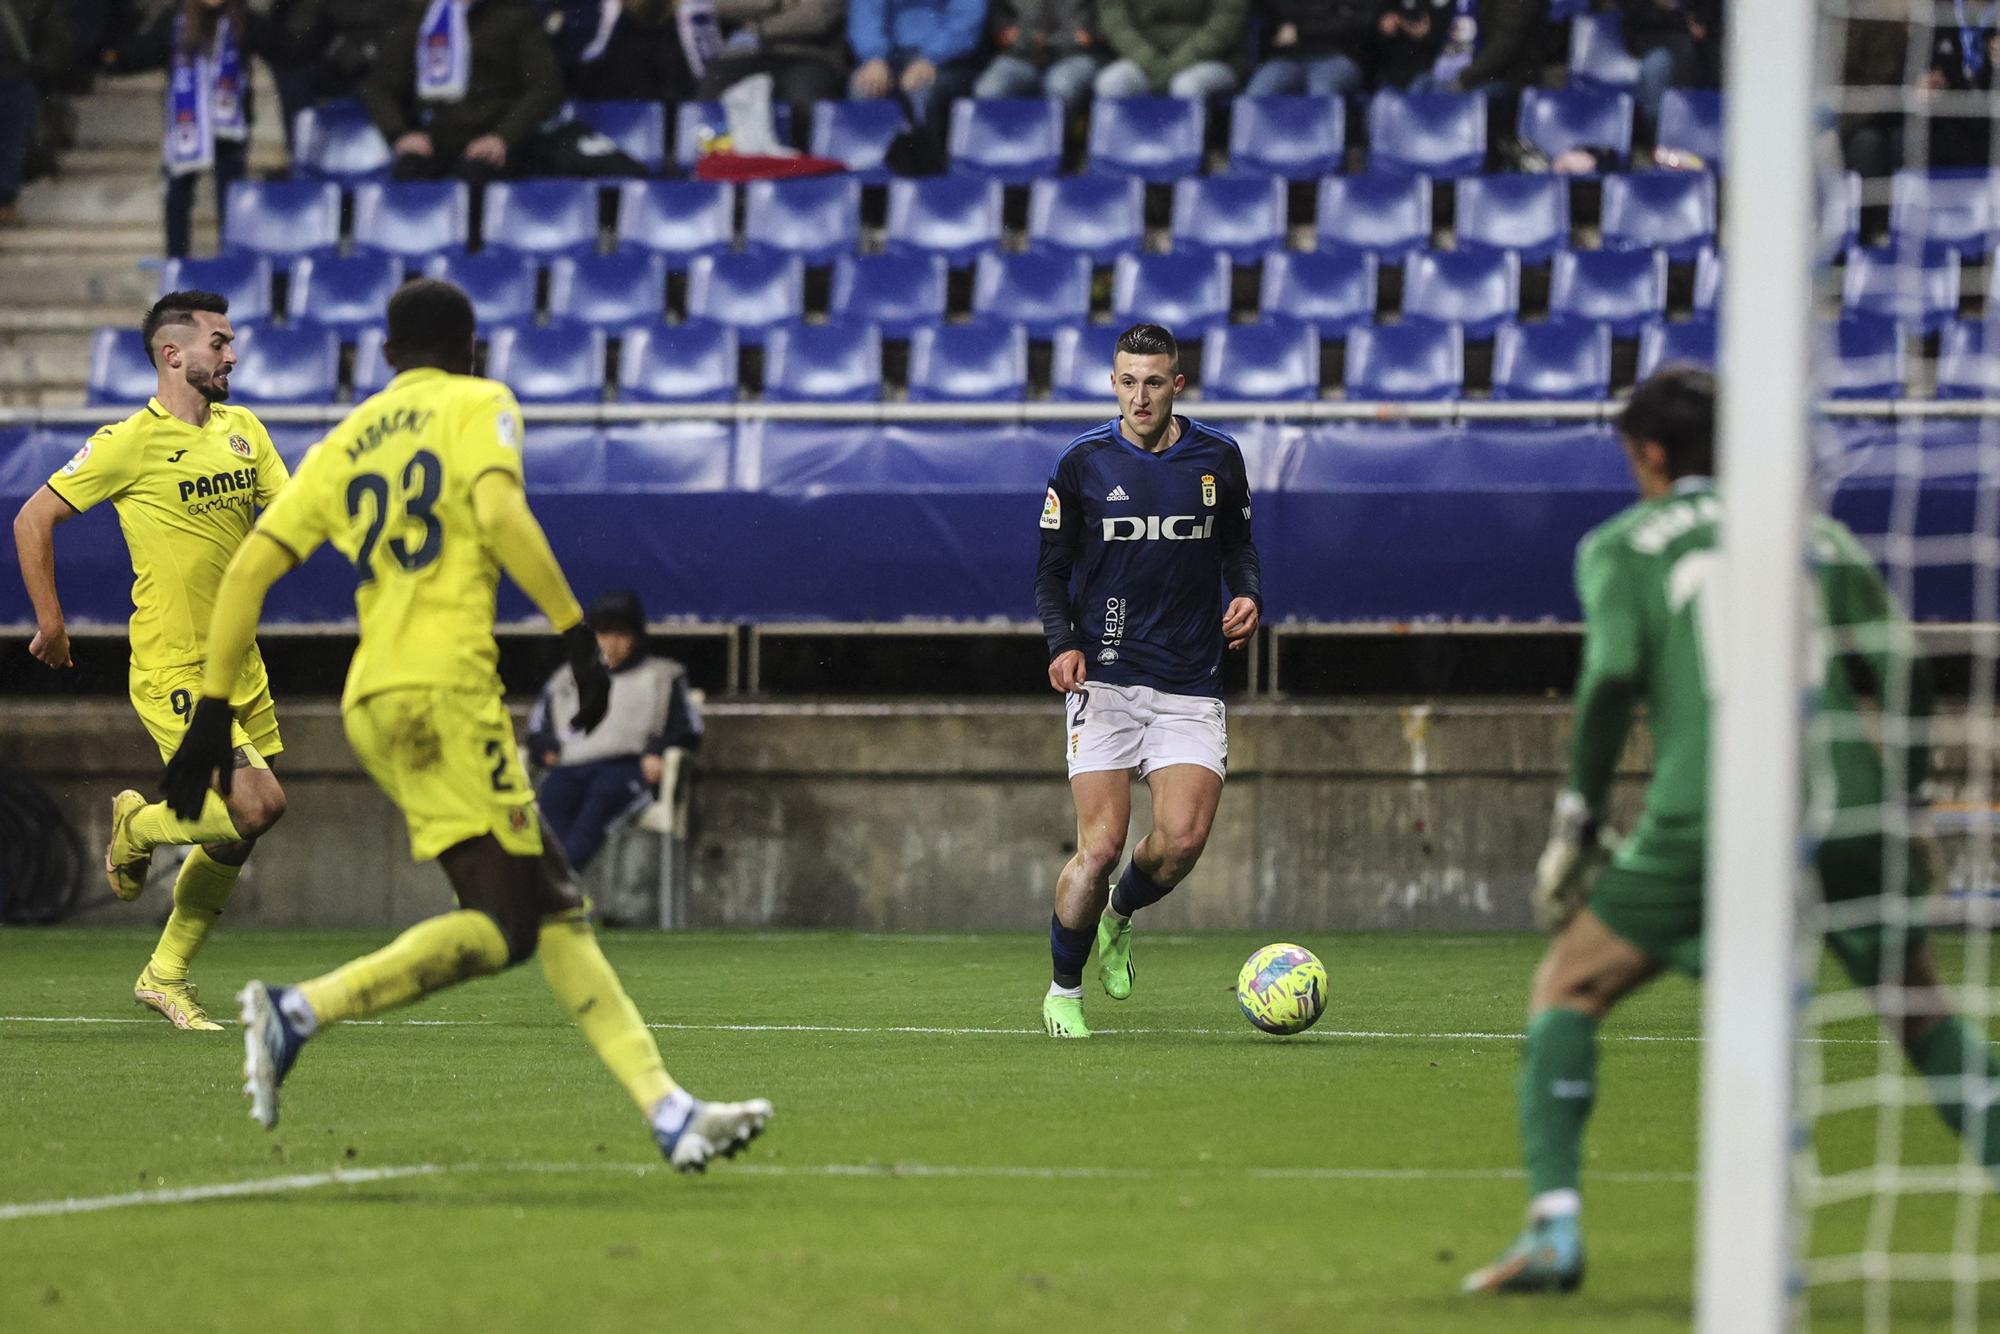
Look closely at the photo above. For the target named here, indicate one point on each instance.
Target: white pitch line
(221, 1191)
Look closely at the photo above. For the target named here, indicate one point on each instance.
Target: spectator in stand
(1963, 48)
(1677, 44)
(1481, 44)
(799, 43)
(1184, 48)
(328, 47)
(1314, 46)
(34, 46)
(1046, 48)
(1408, 37)
(462, 88)
(625, 50)
(927, 49)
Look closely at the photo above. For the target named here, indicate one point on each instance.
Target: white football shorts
(1138, 727)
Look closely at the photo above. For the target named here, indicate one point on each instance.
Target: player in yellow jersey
(185, 476)
(421, 487)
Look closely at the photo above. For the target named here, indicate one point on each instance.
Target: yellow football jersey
(391, 486)
(186, 497)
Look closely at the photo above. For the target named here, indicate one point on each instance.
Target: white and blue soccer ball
(1282, 989)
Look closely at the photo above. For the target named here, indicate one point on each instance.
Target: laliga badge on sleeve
(1052, 510)
(76, 461)
(508, 427)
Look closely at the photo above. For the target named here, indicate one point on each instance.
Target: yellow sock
(583, 982)
(203, 887)
(156, 826)
(430, 956)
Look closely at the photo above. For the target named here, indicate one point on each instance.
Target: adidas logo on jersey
(1117, 493)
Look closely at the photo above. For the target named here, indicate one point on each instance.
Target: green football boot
(1062, 1016)
(1114, 954)
(1547, 1257)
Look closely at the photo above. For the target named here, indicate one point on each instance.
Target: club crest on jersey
(1052, 510)
(240, 447)
(1208, 490)
(1107, 656)
(517, 819)
(76, 460)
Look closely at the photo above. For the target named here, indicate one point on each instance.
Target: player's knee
(255, 813)
(522, 930)
(1099, 853)
(1179, 851)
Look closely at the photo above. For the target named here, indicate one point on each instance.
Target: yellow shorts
(165, 700)
(447, 758)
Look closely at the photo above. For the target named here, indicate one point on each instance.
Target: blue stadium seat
(415, 219)
(1099, 216)
(1839, 212)
(1277, 360)
(954, 216)
(541, 217)
(1242, 217)
(1960, 209)
(637, 129)
(1436, 134)
(1153, 138)
(1416, 360)
(609, 291)
(814, 217)
(836, 362)
(897, 293)
(1478, 290)
(347, 293)
(1919, 289)
(1080, 363)
(1672, 211)
(1622, 288)
(1014, 139)
(556, 363)
(750, 292)
(1185, 291)
(1384, 212)
(500, 283)
(1332, 288)
(858, 133)
(244, 279)
(294, 363)
(283, 218)
(1559, 359)
(1707, 281)
(1042, 291)
(1967, 368)
(1565, 118)
(1298, 138)
(1528, 214)
(677, 219)
(691, 362)
(1691, 119)
(1597, 54)
(697, 120)
(969, 363)
(336, 141)
(120, 370)
(1868, 359)
(1690, 342)
(372, 371)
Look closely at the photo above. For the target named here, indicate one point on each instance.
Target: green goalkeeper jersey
(1648, 579)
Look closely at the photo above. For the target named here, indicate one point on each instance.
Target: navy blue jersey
(1135, 548)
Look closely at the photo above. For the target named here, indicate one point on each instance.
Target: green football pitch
(935, 1163)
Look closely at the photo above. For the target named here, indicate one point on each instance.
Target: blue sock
(1068, 950)
(1136, 890)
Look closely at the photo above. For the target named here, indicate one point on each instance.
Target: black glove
(593, 682)
(204, 758)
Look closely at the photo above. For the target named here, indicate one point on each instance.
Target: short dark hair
(178, 308)
(1149, 340)
(430, 323)
(1675, 408)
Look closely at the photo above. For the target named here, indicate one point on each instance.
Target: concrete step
(77, 279)
(130, 111)
(90, 202)
(57, 242)
(135, 161)
(44, 363)
(81, 317)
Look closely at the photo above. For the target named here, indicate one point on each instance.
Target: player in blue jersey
(1146, 518)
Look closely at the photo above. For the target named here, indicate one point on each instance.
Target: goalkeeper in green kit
(1647, 582)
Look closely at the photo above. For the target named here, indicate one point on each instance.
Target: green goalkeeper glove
(1579, 846)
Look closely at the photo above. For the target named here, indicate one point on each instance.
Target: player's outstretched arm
(35, 547)
(522, 548)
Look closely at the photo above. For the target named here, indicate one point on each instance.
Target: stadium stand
(1672, 211)
(1415, 360)
(1333, 288)
(1010, 139)
(896, 293)
(1559, 359)
(836, 362)
(969, 363)
(609, 291)
(1273, 361)
(958, 217)
(1042, 291)
(858, 132)
(1478, 290)
(677, 219)
(1099, 216)
(691, 362)
(1153, 138)
(1525, 213)
(1298, 138)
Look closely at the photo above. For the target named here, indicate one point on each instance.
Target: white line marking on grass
(224, 1190)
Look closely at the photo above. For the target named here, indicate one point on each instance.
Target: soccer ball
(1282, 989)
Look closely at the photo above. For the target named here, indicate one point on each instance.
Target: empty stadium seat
(244, 279)
(1707, 281)
(120, 370)
(1919, 288)
(1558, 120)
(814, 217)
(1153, 138)
(1436, 134)
(1528, 214)
(1478, 290)
(283, 218)
(1672, 211)
(1099, 216)
(1839, 210)
(1080, 360)
(636, 129)
(415, 219)
(337, 141)
(1277, 360)
(894, 292)
(1868, 360)
(1597, 54)
(297, 363)
(677, 219)
(1384, 212)
(556, 363)
(1967, 368)
(1959, 209)
(1187, 292)
(1042, 291)
(347, 293)
(836, 362)
(372, 371)
(1417, 360)
(749, 292)
(1242, 217)
(1622, 288)
(500, 283)
(1298, 138)
(1333, 288)
(1015, 139)
(691, 362)
(1691, 119)
(1556, 360)
(858, 133)
(1690, 342)
(954, 216)
(541, 217)
(979, 362)
(696, 121)
(609, 291)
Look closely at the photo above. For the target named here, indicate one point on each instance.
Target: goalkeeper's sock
(1558, 1085)
(1136, 890)
(203, 887)
(1069, 950)
(430, 956)
(589, 992)
(157, 826)
(1940, 1056)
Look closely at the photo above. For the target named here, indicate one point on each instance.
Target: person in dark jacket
(462, 87)
(1319, 47)
(34, 45)
(1045, 48)
(801, 44)
(1677, 44)
(1408, 36)
(327, 48)
(1963, 48)
(629, 51)
(1183, 48)
(1484, 44)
